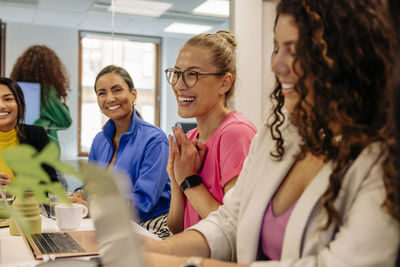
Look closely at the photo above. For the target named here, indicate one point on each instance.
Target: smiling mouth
(287, 86)
(113, 107)
(4, 113)
(186, 99)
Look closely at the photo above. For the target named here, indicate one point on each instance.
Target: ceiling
(93, 15)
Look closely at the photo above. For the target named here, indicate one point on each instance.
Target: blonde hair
(223, 45)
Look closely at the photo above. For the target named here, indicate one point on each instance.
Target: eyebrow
(190, 68)
(287, 43)
(6, 95)
(115, 86)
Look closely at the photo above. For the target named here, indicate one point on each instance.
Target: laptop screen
(32, 101)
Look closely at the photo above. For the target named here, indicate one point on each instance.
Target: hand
(170, 164)
(202, 150)
(188, 156)
(5, 179)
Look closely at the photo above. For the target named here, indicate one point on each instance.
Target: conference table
(14, 252)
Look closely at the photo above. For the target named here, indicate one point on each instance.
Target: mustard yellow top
(7, 140)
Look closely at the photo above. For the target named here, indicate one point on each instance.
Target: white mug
(69, 217)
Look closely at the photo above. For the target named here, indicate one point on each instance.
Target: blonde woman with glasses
(205, 163)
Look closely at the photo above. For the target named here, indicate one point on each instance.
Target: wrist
(190, 182)
(193, 262)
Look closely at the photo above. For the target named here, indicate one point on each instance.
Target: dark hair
(345, 48)
(19, 98)
(41, 64)
(223, 45)
(118, 70)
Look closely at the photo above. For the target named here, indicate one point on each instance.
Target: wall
(268, 77)
(252, 24)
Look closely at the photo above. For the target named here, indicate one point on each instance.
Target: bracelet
(190, 182)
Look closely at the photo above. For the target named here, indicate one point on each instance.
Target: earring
(133, 103)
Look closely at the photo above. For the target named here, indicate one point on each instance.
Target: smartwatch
(193, 262)
(190, 182)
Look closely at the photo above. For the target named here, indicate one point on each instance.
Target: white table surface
(15, 253)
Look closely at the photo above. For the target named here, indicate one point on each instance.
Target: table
(15, 253)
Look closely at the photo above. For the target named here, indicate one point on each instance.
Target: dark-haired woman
(317, 188)
(41, 64)
(129, 144)
(12, 129)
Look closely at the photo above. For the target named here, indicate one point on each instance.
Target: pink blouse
(273, 230)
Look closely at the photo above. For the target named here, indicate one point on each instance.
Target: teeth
(3, 113)
(113, 107)
(186, 99)
(287, 85)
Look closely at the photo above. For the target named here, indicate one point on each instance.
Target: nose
(110, 97)
(2, 104)
(180, 84)
(280, 65)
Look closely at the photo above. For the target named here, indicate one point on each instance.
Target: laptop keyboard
(52, 243)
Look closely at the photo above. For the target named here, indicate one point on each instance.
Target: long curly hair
(41, 64)
(345, 48)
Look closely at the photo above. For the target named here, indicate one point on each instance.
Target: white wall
(252, 24)
(268, 77)
(64, 41)
(246, 19)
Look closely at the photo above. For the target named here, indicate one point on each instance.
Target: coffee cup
(53, 199)
(69, 217)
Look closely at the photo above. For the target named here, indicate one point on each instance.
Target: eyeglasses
(189, 77)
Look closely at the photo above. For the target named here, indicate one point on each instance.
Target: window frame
(131, 37)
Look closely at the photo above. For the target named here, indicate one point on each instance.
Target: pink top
(273, 230)
(227, 149)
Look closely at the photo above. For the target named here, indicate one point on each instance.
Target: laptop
(61, 244)
(114, 239)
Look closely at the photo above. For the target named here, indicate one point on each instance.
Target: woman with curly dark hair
(41, 64)
(319, 186)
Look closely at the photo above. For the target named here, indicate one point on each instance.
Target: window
(139, 56)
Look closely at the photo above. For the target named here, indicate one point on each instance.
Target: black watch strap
(190, 181)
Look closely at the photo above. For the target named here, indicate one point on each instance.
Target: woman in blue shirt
(129, 144)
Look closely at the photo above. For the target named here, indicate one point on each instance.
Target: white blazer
(369, 236)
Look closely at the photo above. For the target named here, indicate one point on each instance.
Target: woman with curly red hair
(319, 187)
(41, 64)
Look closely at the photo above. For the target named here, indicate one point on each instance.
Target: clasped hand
(5, 179)
(185, 156)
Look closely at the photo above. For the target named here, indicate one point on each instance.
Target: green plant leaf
(26, 163)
